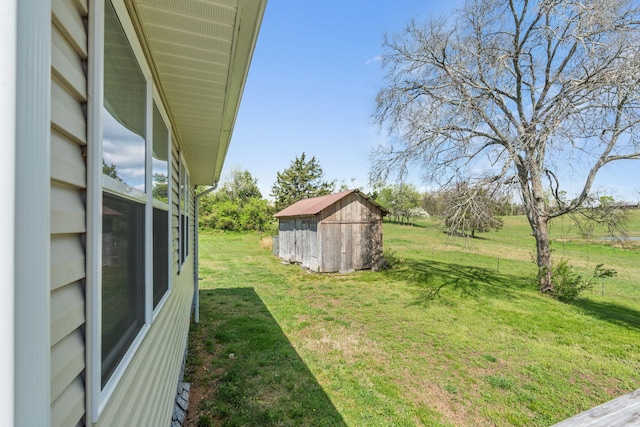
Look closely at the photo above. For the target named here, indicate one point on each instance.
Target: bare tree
(527, 87)
(604, 212)
(471, 209)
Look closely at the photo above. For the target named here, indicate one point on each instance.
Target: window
(122, 272)
(124, 196)
(184, 194)
(160, 182)
(129, 201)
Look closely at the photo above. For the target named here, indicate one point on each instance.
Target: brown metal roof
(315, 205)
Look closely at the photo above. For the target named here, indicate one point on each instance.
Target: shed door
(305, 242)
(299, 239)
(311, 245)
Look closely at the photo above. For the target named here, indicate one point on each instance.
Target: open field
(280, 346)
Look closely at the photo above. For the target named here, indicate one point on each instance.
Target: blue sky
(312, 85)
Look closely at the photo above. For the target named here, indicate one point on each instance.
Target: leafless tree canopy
(472, 208)
(525, 85)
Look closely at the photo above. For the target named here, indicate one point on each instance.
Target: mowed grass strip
(457, 335)
(244, 370)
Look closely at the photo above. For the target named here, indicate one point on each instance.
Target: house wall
(146, 391)
(155, 369)
(8, 115)
(68, 215)
(349, 234)
(175, 208)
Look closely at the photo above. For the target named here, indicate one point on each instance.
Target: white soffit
(200, 51)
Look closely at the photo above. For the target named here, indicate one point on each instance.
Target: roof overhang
(199, 52)
(314, 205)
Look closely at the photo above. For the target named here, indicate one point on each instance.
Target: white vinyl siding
(66, 114)
(67, 314)
(68, 215)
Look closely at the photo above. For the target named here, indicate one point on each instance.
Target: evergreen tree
(302, 180)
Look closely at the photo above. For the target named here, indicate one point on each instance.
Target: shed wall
(350, 235)
(299, 242)
(287, 238)
(343, 237)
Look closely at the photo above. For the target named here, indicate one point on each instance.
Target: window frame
(133, 331)
(98, 395)
(156, 204)
(184, 209)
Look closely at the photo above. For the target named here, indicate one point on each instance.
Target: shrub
(391, 259)
(256, 215)
(567, 284)
(253, 214)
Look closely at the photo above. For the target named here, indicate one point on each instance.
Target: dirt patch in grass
(198, 372)
(349, 344)
(426, 393)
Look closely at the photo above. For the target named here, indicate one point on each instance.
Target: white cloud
(128, 157)
(375, 59)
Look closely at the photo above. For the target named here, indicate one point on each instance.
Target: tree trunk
(543, 250)
(536, 210)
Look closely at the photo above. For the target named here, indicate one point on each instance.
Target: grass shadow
(609, 312)
(432, 279)
(407, 224)
(463, 236)
(252, 374)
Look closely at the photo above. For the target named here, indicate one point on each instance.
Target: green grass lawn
(456, 335)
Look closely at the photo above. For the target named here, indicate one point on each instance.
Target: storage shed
(338, 232)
